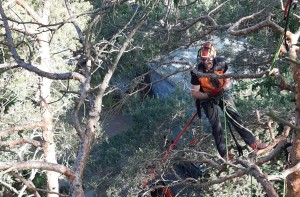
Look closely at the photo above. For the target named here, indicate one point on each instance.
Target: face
(208, 63)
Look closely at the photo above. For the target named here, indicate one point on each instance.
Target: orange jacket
(207, 86)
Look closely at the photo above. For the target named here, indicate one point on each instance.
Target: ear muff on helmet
(207, 51)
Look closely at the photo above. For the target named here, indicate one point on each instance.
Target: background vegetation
(119, 164)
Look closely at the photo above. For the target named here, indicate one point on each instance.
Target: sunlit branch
(14, 143)
(18, 128)
(41, 165)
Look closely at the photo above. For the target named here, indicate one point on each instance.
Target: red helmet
(208, 51)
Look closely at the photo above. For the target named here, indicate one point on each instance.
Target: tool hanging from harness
(287, 10)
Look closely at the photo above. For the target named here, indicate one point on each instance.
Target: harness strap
(238, 146)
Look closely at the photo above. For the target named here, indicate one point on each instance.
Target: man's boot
(257, 145)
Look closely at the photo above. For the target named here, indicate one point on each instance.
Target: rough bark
(293, 180)
(94, 114)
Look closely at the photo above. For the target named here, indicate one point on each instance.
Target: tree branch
(8, 65)
(17, 128)
(277, 119)
(284, 173)
(234, 29)
(8, 186)
(41, 165)
(78, 30)
(29, 11)
(295, 62)
(20, 27)
(29, 67)
(27, 183)
(14, 143)
(260, 177)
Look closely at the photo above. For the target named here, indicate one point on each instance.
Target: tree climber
(210, 93)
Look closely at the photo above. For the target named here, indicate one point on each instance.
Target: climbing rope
(153, 171)
(226, 142)
(284, 187)
(287, 13)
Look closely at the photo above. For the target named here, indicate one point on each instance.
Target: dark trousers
(210, 108)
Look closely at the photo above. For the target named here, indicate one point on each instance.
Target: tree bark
(47, 119)
(293, 180)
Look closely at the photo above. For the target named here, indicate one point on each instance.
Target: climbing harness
(288, 10)
(214, 100)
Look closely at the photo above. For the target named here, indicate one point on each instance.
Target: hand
(274, 72)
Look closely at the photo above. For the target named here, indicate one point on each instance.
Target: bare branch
(8, 65)
(51, 192)
(217, 9)
(276, 147)
(17, 128)
(29, 11)
(14, 143)
(255, 28)
(94, 113)
(29, 184)
(284, 173)
(233, 75)
(29, 67)
(208, 18)
(260, 177)
(78, 30)
(19, 27)
(277, 119)
(246, 18)
(295, 62)
(41, 165)
(271, 130)
(8, 186)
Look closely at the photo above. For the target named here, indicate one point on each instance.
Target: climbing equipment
(153, 171)
(211, 85)
(179, 136)
(238, 146)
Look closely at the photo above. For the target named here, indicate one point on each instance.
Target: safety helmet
(207, 51)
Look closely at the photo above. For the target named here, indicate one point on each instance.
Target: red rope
(179, 136)
(153, 171)
(286, 7)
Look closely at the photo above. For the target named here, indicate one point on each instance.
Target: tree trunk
(48, 134)
(293, 180)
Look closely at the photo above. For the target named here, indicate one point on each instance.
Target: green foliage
(263, 95)
(40, 180)
(117, 161)
(20, 89)
(126, 152)
(176, 2)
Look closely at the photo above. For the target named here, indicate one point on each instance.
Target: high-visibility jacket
(212, 84)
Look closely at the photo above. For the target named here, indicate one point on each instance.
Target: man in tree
(210, 93)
